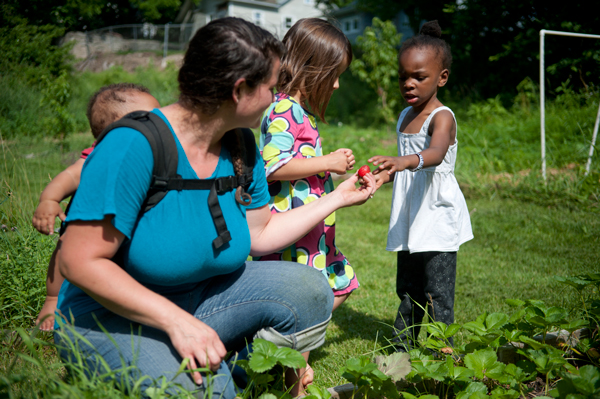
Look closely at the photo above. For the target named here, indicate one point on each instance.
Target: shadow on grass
(354, 325)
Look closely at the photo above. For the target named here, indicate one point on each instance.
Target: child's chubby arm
(339, 161)
(61, 187)
(443, 132)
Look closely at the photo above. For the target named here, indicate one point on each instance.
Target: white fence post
(593, 144)
(166, 47)
(542, 105)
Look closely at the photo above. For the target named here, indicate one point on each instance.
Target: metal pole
(594, 135)
(542, 105)
(542, 99)
(135, 41)
(166, 47)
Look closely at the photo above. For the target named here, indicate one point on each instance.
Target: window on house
(347, 26)
(257, 17)
(355, 25)
(288, 22)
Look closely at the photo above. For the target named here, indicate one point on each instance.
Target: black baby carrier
(164, 174)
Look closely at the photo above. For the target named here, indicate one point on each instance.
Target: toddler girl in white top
(429, 218)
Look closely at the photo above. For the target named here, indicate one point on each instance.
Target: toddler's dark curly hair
(430, 37)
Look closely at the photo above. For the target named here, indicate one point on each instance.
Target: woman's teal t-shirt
(171, 244)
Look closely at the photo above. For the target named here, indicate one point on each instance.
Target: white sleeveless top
(429, 212)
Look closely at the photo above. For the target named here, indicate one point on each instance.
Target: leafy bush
(28, 52)
(35, 74)
(378, 65)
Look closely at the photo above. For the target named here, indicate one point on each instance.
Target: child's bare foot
(300, 381)
(45, 320)
(309, 376)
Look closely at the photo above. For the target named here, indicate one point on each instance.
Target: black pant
(425, 280)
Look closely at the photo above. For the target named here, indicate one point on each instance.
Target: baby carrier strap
(164, 173)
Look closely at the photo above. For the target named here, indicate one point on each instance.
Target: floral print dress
(289, 131)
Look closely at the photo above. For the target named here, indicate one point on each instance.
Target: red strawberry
(363, 170)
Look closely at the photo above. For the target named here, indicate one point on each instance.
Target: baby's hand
(391, 164)
(45, 215)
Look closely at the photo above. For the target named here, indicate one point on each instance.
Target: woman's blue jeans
(284, 302)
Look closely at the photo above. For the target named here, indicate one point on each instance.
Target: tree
(378, 64)
(87, 14)
(495, 45)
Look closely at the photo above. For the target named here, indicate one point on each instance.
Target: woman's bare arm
(85, 261)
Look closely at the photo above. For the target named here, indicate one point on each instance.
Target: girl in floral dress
(290, 144)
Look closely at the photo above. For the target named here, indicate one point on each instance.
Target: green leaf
(396, 366)
(289, 357)
(517, 316)
(515, 302)
(472, 390)
(480, 361)
(501, 393)
(475, 327)
(532, 342)
(451, 330)
(496, 372)
(318, 393)
(462, 374)
(575, 282)
(262, 357)
(496, 320)
(574, 325)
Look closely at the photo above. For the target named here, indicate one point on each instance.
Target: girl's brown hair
(315, 51)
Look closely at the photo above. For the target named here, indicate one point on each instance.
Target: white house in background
(276, 16)
(353, 22)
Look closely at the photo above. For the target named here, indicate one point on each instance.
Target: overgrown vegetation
(526, 232)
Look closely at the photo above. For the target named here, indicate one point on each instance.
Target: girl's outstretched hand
(391, 164)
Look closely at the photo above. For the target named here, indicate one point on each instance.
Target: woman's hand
(351, 195)
(197, 342)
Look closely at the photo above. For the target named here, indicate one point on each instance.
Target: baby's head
(114, 101)
(429, 38)
(317, 53)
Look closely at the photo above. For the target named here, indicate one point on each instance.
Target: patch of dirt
(129, 62)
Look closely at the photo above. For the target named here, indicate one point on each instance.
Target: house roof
(261, 3)
(346, 10)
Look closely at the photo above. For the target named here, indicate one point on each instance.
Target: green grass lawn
(517, 250)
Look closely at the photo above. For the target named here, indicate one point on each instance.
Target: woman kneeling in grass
(182, 290)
